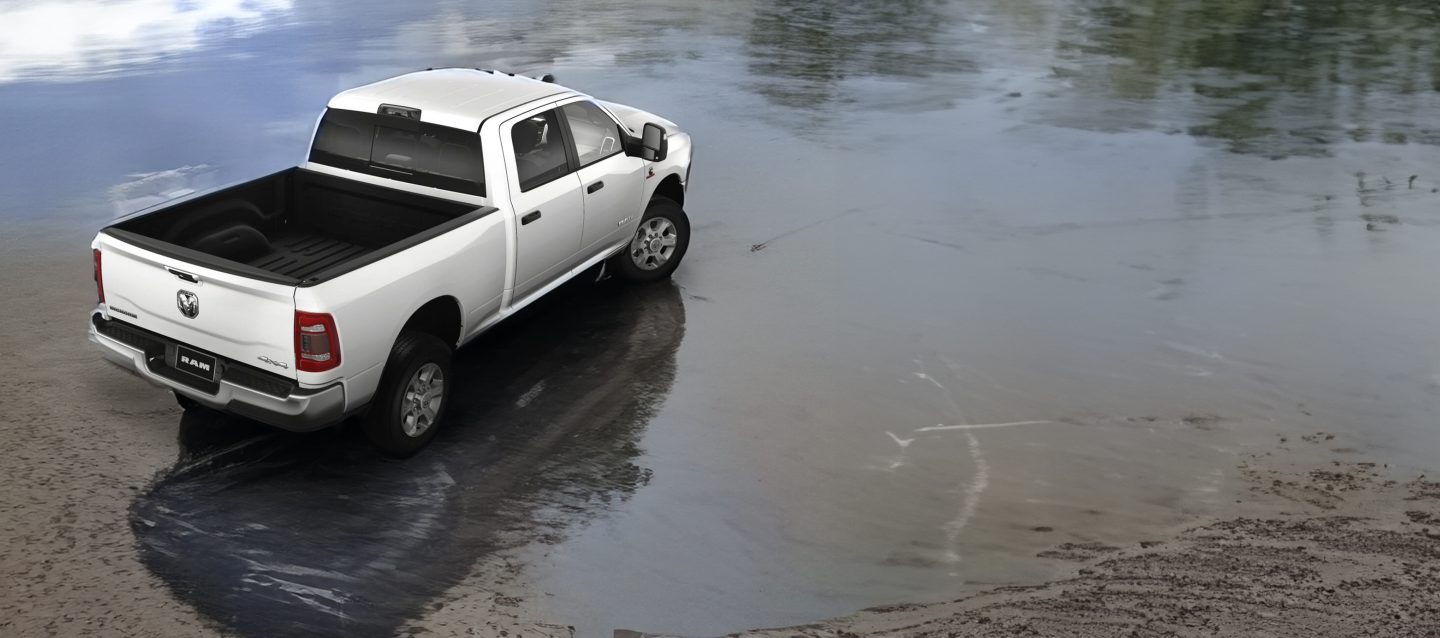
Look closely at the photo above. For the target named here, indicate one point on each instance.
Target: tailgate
(236, 317)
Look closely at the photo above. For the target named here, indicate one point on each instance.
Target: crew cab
(432, 206)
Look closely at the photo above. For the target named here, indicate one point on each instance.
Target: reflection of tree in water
(802, 49)
(1269, 77)
(270, 533)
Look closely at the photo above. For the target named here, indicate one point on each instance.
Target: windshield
(401, 149)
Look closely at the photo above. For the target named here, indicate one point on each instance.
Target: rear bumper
(284, 404)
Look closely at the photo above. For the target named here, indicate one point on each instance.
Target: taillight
(99, 281)
(317, 344)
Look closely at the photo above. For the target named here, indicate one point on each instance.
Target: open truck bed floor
(302, 254)
(295, 227)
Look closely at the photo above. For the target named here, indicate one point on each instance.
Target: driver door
(613, 182)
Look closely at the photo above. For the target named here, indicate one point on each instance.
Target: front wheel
(412, 397)
(658, 245)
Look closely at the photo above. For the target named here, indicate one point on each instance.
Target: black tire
(386, 423)
(628, 262)
(186, 403)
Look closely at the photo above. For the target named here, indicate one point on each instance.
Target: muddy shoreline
(1343, 549)
(80, 444)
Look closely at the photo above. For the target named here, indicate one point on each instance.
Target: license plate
(200, 365)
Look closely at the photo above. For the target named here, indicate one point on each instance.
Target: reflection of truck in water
(433, 206)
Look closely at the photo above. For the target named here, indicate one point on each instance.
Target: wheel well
(439, 317)
(670, 187)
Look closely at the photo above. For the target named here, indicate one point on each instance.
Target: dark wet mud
(271, 533)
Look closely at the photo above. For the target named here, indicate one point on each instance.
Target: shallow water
(1140, 237)
(277, 533)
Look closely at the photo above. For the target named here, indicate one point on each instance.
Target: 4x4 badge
(273, 362)
(188, 303)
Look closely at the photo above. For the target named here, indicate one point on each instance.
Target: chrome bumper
(303, 410)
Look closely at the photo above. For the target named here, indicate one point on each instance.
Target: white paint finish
(137, 283)
(678, 160)
(610, 210)
(477, 264)
(635, 119)
(517, 303)
(546, 247)
(624, 184)
(372, 303)
(458, 98)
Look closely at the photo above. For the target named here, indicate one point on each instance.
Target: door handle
(595, 187)
(529, 217)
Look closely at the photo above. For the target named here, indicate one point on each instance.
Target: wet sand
(1344, 549)
(74, 461)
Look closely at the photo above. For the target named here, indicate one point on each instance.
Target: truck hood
(635, 119)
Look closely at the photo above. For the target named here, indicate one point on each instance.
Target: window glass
(596, 135)
(401, 149)
(396, 148)
(539, 150)
(343, 139)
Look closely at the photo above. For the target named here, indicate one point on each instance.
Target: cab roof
(457, 98)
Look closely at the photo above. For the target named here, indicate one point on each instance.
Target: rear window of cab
(402, 149)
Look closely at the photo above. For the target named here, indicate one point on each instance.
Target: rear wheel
(658, 245)
(413, 394)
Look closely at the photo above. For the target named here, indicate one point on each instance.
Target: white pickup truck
(432, 206)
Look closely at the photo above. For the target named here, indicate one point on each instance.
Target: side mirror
(654, 144)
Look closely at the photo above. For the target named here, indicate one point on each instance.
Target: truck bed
(302, 254)
(296, 227)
